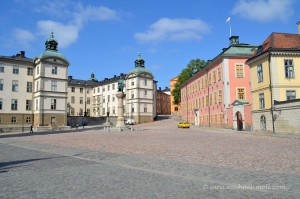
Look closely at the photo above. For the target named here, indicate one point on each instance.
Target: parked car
(184, 125)
(129, 122)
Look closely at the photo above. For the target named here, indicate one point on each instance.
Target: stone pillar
(120, 120)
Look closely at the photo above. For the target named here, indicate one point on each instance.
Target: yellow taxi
(184, 125)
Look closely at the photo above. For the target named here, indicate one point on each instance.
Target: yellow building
(275, 84)
(175, 108)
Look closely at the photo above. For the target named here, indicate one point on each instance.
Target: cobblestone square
(158, 160)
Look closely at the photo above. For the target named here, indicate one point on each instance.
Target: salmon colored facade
(219, 95)
(175, 108)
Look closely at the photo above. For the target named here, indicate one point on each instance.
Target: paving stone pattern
(157, 161)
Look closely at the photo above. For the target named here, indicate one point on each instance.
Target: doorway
(239, 120)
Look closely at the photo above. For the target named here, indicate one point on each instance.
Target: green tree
(195, 65)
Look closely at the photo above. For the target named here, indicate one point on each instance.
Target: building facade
(140, 90)
(219, 95)
(175, 108)
(275, 83)
(163, 104)
(39, 92)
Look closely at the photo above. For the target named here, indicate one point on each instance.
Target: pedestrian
(31, 129)
(77, 125)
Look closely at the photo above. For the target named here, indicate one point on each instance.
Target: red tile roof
(279, 41)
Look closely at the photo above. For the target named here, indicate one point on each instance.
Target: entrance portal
(239, 120)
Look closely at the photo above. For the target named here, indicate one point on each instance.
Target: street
(157, 161)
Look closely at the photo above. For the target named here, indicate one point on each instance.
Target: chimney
(234, 40)
(159, 88)
(298, 27)
(22, 53)
(70, 77)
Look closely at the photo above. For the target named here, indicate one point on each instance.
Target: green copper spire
(51, 43)
(139, 62)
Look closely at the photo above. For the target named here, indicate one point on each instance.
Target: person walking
(31, 129)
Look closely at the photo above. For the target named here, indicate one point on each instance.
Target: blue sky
(105, 36)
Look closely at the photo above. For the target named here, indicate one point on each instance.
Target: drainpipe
(272, 113)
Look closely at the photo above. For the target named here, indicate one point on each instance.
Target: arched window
(263, 123)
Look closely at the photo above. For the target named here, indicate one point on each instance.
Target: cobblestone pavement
(157, 161)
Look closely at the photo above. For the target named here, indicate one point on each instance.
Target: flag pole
(228, 20)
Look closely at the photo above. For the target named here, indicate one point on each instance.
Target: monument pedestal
(120, 126)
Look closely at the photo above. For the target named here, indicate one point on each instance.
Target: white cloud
(264, 10)
(175, 30)
(23, 37)
(64, 34)
(75, 17)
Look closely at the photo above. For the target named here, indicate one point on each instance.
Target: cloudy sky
(105, 36)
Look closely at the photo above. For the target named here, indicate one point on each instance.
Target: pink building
(219, 95)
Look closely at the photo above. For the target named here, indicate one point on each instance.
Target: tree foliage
(186, 73)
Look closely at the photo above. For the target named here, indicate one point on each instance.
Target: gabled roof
(278, 41)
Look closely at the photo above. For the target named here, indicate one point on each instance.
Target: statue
(120, 85)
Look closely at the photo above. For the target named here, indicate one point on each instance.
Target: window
(214, 76)
(15, 69)
(145, 93)
(219, 73)
(113, 98)
(145, 82)
(38, 70)
(81, 100)
(72, 111)
(29, 87)
(36, 104)
(15, 85)
(290, 95)
(215, 97)
(103, 100)
(80, 111)
(206, 100)
(132, 109)
(28, 105)
(1, 103)
(108, 98)
(103, 89)
(103, 111)
(72, 99)
(261, 100)
(30, 71)
(37, 85)
(113, 86)
(54, 70)
(88, 100)
(53, 85)
(1, 84)
(28, 120)
(108, 87)
(220, 96)
(13, 120)
(241, 93)
(81, 90)
(1, 68)
(73, 89)
(210, 99)
(132, 83)
(239, 71)
(53, 104)
(260, 76)
(209, 79)
(14, 104)
(145, 108)
(263, 125)
(132, 95)
(289, 68)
